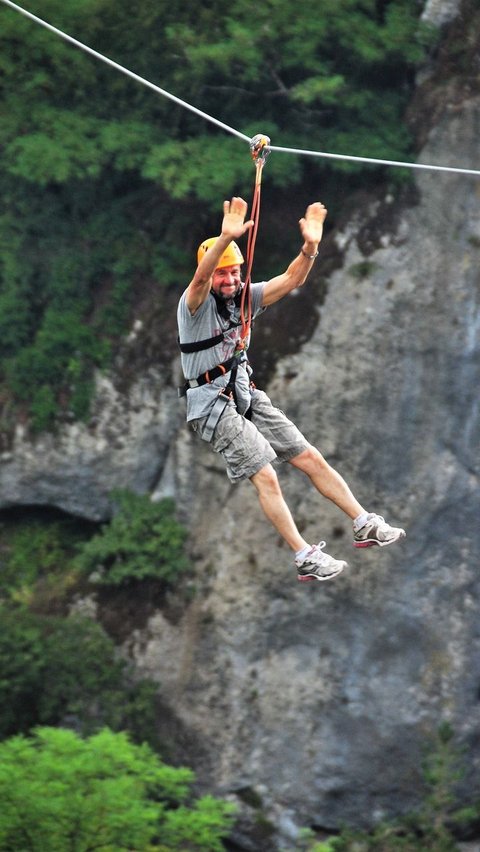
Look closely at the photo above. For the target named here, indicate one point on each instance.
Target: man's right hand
(234, 213)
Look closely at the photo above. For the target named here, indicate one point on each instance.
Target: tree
(61, 793)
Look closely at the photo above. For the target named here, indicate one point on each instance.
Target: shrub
(142, 541)
(38, 551)
(57, 671)
(60, 792)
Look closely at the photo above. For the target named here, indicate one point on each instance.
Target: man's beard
(226, 298)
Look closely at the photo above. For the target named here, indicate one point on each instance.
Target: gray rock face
(124, 445)
(440, 12)
(321, 700)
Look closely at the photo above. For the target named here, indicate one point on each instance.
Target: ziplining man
(239, 420)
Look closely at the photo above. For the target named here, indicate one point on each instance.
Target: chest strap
(200, 344)
(208, 342)
(208, 377)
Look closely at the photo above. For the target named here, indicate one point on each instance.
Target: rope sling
(259, 148)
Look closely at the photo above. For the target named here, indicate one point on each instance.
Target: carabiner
(259, 148)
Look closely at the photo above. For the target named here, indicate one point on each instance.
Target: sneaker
(376, 531)
(318, 565)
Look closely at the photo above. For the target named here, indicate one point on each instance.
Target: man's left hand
(311, 226)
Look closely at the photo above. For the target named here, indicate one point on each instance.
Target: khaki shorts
(249, 445)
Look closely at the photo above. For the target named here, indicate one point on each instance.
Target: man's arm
(311, 228)
(233, 226)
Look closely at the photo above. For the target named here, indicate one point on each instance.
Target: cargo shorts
(247, 445)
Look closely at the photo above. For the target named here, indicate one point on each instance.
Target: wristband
(309, 256)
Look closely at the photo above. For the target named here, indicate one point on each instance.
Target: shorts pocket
(228, 427)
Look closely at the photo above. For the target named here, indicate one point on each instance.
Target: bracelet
(309, 256)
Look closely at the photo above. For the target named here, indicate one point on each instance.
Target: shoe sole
(372, 542)
(308, 578)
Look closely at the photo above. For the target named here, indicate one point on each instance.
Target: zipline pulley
(260, 148)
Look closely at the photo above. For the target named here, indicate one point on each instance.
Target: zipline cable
(374, 160)
(300, 151)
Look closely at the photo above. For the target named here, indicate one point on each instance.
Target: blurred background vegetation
(107, 187)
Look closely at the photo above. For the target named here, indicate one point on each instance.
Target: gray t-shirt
(205, 323)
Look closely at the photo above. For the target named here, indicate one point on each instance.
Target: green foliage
(199, 829)
(37, 553)
(34, 544)
(362, 270)
(442, 771)
(60, 792)
(314, 75)
(66, 671)
(142, 541)
(62, 356)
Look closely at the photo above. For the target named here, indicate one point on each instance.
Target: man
(239, 421)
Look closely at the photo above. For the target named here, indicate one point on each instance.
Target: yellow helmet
(230, 257)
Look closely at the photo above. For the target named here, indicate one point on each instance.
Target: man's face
(226, 281)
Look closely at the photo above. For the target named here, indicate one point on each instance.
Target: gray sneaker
(376, 531)
(318, 566)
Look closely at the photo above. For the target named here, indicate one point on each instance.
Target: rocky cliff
(314, 705)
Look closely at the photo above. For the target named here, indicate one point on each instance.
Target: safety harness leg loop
(221, 403)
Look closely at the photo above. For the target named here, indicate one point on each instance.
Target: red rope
(246, 315)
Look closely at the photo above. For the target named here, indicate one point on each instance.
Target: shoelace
(373, 518)
(382, 525)
(315, 557)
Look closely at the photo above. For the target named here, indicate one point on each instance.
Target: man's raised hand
(234, 213)
(311, 226)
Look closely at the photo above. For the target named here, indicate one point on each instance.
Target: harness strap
(207, 343)
(207, 377)
(219, 406)
(221, 403)
(225, 396)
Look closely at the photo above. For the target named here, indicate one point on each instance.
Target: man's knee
(266, 480)
(309, 460)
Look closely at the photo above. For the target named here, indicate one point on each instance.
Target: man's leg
(327, 481)
(275, 508)
(369, 529)
(248, 454)
(284, 436)
(312, 563)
